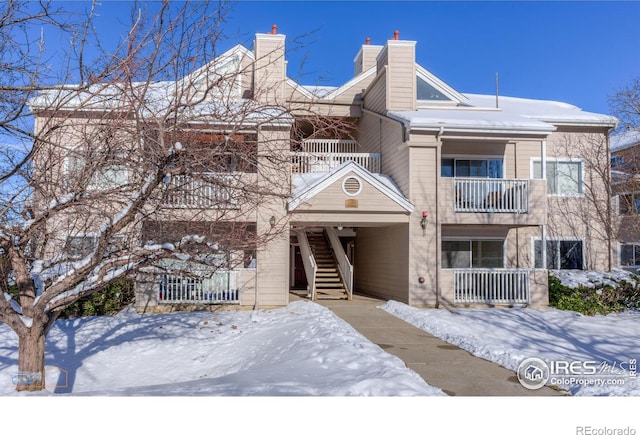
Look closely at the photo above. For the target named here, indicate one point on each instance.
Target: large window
(464, 254)
(561, 254)
(564, 178)
(475, 168)
(629, 254)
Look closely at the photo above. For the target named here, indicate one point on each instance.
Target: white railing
(324, 146)
(491, 195)
(211, 190)
(219, 288)
(309, 262)
(491, 286)
(344, 265)
(325, 162)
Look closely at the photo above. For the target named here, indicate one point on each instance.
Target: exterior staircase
(329, 284)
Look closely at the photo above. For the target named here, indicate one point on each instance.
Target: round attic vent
(352, 186)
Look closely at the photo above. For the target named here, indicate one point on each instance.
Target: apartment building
(429, 196)
(625, 167)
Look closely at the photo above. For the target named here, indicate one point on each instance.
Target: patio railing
(208, 191)
(491, 286)
(491, 195)
(222, 287)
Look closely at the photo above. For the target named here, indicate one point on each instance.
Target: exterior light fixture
(272, 221)
(423, 221)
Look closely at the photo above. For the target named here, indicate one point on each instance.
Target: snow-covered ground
(300, 350)
(610, 345)
(305, 350)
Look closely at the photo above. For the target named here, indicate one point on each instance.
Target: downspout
(438, 226)
(543, 167)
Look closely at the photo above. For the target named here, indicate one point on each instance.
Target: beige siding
(379, 135)
(424, 248)
(381, 259)
(270, 69)
(334, 198)
(401, 81)
(375, 97)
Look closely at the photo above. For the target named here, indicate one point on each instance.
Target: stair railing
(344, 265)
(309, 262)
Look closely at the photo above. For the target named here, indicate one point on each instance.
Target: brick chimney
(270, 70)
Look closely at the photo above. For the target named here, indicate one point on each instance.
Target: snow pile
(508, 336)
(592, 279)
(300, 350)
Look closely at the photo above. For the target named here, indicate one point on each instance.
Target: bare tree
(154, 153)
(625, 105)
(586, 210)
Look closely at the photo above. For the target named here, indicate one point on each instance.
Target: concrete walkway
(453, 370)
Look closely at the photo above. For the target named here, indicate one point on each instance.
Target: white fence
(316, 162)
(491, 286)
(324, 146)
(219, 288)
(210, 191)
(491, 195)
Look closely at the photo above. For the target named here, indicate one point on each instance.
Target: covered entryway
(327, 211)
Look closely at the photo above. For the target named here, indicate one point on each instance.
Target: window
(564, 178)
(110, 176)
(629, 254)
(629, 203)
(78, 247)
(427, 92)
(472, 253)
(617, 162)
(476, 168)
(561, 254)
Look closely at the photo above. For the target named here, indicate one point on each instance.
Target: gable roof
(306, 186)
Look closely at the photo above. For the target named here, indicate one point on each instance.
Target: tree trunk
(31, 360)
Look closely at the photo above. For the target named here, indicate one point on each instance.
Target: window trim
(474, 157)
(534, 160)
(620, 265)
(557, 239)
(471, 240)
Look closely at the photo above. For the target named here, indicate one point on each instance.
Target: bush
(601, 299)
(108, 301)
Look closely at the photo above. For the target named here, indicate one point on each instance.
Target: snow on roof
(157, 98)
(466, 120)
(624, 140)
(554, 112)
(319, 91)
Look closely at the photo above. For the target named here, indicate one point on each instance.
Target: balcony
(324, 155)
(505, 287)
(493, 201)
(206, 191)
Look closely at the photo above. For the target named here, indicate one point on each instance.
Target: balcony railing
(491, 195)
(218, 288)
(491, 286)
(324, 162)
(208, 191)
(324, 146)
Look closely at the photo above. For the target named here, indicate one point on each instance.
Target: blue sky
(577, 52)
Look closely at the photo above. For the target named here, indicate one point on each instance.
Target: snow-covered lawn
(508, 336)
(300, 350)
